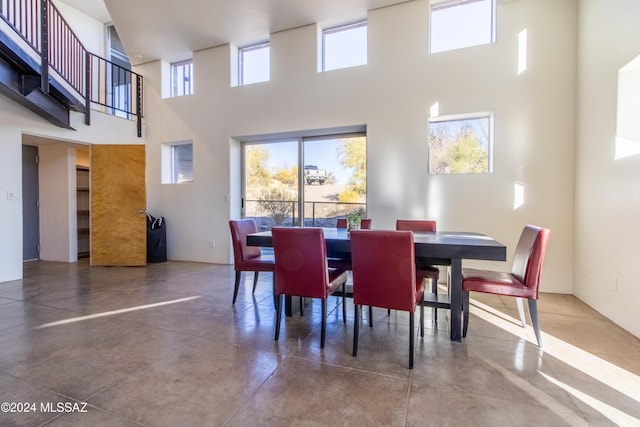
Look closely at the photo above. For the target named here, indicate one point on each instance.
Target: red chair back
(241, 252)
(365, 223)
(301, 262)
(342, 223)
(529, 256)
(384, 269)
(415, 225)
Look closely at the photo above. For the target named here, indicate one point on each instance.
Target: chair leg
(434, 290)
(236, 286)
(278, 314)
(523, 319)
(275, 294)
(356, 328)
(422, 317)
(344, 304)
(255, 282)
(370, 316)
(301, 306)
(323, 327)
(412, 334)
(465, 313)
(533, 311)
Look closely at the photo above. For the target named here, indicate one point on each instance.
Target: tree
(352, 154)
(455, 147)
(256, 159)
(287, 176)
(278, 203)
(466, 156)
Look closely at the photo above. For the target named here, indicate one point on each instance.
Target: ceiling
(173, 29)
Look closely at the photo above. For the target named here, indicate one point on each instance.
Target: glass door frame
(300, 140)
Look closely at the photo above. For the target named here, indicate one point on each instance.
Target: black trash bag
(156, 239)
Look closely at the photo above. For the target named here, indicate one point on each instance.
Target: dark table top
(440, 247)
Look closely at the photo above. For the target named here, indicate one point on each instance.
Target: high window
(457, 24)
(177, 162)
(344, 46)
(253, 64)
(460, 144)
(182, 78)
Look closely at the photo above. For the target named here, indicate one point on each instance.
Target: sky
(321, 153)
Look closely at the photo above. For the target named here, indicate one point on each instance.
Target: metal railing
(283, 212)
(94, 79)
(24, 17)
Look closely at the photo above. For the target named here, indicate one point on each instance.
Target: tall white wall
(534, 136)
(607, 190)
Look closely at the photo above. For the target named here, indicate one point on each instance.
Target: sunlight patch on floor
(112, 312)
(608, 374)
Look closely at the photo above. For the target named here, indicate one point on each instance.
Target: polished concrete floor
(163, 346)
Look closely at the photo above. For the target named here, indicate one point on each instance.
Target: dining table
(443, 248)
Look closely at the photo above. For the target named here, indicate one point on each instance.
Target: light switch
(12, 195)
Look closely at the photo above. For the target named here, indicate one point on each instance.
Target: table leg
(456, 299)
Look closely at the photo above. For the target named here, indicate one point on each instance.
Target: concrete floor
(163, 346)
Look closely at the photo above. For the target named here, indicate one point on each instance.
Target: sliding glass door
(318, 179)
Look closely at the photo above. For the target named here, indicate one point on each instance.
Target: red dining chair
(384, 275)
(247, 258)
(430, 272)
(365, 223)
(301, 270)
(345, 264)
(522, 282)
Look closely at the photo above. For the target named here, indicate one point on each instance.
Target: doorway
(30, 209)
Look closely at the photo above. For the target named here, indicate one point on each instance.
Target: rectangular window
(310, 181)
(460, 144)
(456, 24)
(182, 78)
(177, 162)
(253, 64)
(344, 46)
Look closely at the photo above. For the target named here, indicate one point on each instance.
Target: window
(177, 162)
(460, 144)
(316, 178)
(182, 78)
(253, 64)
(344, 46)
(457, 24)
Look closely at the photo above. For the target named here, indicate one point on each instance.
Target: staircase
(45, 68)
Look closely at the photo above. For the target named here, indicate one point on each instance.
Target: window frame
(249, 48)
(338, 29)
(488, 115)
(174, 78)
(169, 164)
(442, 4)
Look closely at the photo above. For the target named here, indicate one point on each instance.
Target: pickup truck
(313, 174)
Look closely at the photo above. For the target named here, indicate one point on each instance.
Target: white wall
(534, 133)
(607, 190)
(57, 195)
(10, 210)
